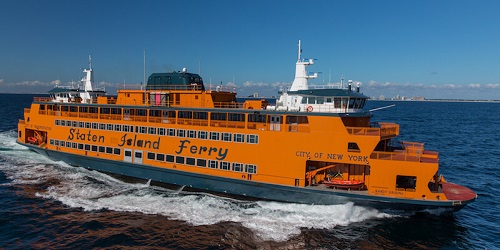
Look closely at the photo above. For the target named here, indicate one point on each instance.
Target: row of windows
(223, 165)
(184, 114)
(204, 135)
(87, 147)
(214, 164)
(338, 102)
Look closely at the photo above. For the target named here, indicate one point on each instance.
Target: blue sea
(51, 205)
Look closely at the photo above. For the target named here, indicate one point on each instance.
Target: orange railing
(385, 130)
(412, 151)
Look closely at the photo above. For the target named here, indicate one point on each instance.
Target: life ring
(310, 109)
(32, 140)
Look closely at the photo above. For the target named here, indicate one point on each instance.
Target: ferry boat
(178, 131)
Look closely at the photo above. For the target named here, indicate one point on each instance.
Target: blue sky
(435, 49)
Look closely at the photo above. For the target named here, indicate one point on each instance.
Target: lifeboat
(344, 184)
(32, 140)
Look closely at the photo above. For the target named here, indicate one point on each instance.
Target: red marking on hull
(456, 192)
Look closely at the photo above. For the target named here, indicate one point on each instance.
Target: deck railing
(384, 130)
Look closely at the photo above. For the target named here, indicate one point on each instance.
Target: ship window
(152, 131)
(138, 154)
(351, 103)
(171, 132)
(200, 115)
(87, 147)
(352, 147)
(68, 144)
(218, 116)
(116, 151)
(406, 182)
(237, 167)
(254, 139)
(185, 114)
(56, 143)
(105, 111)
(80, 146)
(257, 118)
(110, 126)
(128, 153)
(116, 111)
(213, 164)
(226, 136)
(160, 157)
(102, 149)
(51, 141)
(236, 117)
(102, 126)
(328, 100)
(179, 159)
(214, 136)
(190, 161)
(161, 131)
(73, 145)
(201, 162)
(94, 148)
(144, 130)
(202, 135)
(95, 125)
(191, 134)
(118, 127)
(250, 168)
(181, 133)
(311, 100)
(141, 112)
(155, 113)
(74, 124)
(87, 125)
(63, 123)
(239, 137)
(169, 158)
(109, 150)
(58, 122)
(81, 124)
(151, 156)
(224, 165)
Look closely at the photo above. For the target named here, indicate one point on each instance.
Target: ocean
(51, 205)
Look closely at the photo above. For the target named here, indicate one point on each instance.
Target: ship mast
(301, 76)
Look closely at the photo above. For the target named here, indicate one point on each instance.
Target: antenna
(144, 81)
(300, 52)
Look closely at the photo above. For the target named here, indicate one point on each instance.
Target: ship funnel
(357, 88)
(349, 87)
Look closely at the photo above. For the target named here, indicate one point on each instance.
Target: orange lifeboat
(32, 140)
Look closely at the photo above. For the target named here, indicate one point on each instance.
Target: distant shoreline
(437, 100)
